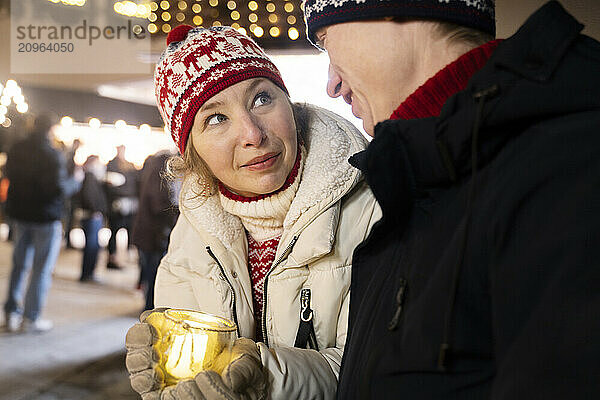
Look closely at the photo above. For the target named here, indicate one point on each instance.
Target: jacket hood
(520, 85)
(330, 140)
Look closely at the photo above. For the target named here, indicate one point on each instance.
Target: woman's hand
(243, 376)
(142, 361)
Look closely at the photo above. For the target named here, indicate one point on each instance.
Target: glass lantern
(190, 342)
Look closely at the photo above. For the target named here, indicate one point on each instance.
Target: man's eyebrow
(320, 38)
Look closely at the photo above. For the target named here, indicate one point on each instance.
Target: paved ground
(83, 356)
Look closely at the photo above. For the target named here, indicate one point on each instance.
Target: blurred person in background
(156, 216)
(4, 183)
(39, 184)
(92, 207)
(122, 202)
(270, 214)
(72, 169)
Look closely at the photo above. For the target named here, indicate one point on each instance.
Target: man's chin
(369, 128)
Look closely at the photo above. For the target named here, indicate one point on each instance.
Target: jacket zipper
(232, 305)
(399, 304)
(264, 310)
(306, 315)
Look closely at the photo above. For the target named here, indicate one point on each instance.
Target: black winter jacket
(38, 180)
(158, 210)
(484, 283)
(92, 196)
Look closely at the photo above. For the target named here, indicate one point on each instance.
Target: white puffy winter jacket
(206, 267)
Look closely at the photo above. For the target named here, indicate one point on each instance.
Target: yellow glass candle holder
(190, 342)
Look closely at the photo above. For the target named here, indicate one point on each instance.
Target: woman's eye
(262, 99)
(215, 119)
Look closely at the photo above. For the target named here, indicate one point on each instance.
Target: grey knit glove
(243, 377)
(142, 361)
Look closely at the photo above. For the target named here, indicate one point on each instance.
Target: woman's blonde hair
(190, 163)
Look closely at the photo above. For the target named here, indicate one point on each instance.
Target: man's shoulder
(570, 134)
(554, 159)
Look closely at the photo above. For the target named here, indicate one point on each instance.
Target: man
(155, 219)
(36, 195)
(122, 200)
(481, 279)
(72, 169)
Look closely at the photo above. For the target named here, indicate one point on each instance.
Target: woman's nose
(251, 132)
(334, 83)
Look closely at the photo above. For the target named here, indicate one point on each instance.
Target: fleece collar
(326, 177)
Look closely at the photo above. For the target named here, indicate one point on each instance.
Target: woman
(270, 214)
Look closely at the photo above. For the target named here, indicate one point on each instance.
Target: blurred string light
(22, 107)
(66, 121)
(139, 142)
(293, 33)
(258, 31)
(120, 124)
(145, 128)
(11, 93)
(78, 3)
(131, 9)
(94, 123)
(278, 20)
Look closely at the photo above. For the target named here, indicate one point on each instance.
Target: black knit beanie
(477, 14)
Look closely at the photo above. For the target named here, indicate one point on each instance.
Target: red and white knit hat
(199, 63)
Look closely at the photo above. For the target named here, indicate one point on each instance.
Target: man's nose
(334, 83)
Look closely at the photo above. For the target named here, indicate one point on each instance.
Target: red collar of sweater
(288, 182)
(429, 98)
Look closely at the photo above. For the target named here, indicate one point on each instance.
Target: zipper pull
(399, 303)
(306, 314)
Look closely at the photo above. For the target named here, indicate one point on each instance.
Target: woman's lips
(262, 162)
